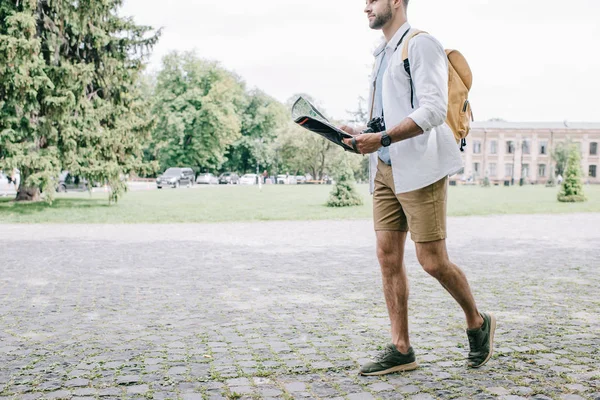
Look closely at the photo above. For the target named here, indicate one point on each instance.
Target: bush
(572, 187)
(571, 199)
(344, 193)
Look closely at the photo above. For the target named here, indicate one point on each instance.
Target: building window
(593, 148)
(543, 147)
(592, 171)
(525, 147)
(493, 147)
(510, 147)
(542, 170)
(476, 169)
(525, 171)
(476, 147)
(508, 170)
(493, 171)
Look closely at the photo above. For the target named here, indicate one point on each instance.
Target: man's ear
(398, 4)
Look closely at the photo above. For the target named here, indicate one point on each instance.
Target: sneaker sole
(400, 368)
(492, 331)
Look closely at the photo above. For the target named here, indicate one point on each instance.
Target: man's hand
(366, 143)
(350, 129)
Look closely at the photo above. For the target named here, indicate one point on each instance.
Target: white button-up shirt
(429, 157)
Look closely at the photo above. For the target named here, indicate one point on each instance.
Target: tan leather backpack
(460, 79)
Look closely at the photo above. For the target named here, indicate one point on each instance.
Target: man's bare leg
(433, 257)
(390, 252)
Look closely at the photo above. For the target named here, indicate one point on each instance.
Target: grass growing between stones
(278, 202)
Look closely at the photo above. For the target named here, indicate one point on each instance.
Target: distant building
(507, 151)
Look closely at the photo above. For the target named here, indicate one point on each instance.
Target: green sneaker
(390, 360)
(481, 341)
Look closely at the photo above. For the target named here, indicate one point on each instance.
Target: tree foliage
(198, 107)
(560, 155)
(344, 192)
(572, 187)
(303, 150)
(69, 98)
(262, 119)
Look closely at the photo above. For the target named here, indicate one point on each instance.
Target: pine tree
(70, 99)
(25, 142)
(572, 187)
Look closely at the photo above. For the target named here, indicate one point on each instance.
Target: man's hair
(405, 3)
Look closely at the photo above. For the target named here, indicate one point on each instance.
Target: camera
(375, 125)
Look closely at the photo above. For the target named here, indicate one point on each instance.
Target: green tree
(572, 187)
(262, 118)
(70, 98)
(198, 107)
(24, 89)
(560, 155)
(300, 150)
(305, 151)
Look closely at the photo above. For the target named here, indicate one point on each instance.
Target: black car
(66, 181)
(176, 177)
(229, 178)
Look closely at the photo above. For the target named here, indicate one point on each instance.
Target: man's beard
(381, 20)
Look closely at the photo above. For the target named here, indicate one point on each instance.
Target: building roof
(566, 125)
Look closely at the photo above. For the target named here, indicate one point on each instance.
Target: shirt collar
(395, 39)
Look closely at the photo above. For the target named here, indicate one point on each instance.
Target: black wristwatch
(385, 139)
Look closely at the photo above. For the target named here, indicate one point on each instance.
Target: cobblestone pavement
(289, 310)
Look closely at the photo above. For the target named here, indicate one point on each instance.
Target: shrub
(572, 187)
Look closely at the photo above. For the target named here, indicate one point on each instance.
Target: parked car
(67, 181)
(208, 179)
(176, 177)
(229, 178)
(248, 179)
(286, 179)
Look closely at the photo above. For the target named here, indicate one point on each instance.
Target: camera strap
(379, 70)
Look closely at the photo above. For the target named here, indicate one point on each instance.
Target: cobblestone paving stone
(289, 310)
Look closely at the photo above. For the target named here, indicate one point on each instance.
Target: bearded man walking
(412, 153)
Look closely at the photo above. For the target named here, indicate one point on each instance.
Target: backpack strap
(375, 80)
(407, 64)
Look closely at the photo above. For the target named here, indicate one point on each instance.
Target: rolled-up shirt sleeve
(429, 71)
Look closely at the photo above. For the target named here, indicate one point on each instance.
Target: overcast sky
(532, 60)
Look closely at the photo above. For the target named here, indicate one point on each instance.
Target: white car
(208, 179)
(248, 179)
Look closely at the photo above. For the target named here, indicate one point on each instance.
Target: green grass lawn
(247, 203)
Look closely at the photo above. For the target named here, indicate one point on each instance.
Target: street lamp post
(522, 179)
(513, 150)
(259, 142)
(550, 180)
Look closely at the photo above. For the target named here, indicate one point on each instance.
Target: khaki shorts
(422, 211)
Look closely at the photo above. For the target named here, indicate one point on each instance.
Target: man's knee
(390, 246)
(385, 251)
(433, 268)
(433, 258)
